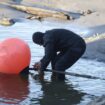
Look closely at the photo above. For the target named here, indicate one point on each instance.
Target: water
(17, 1)
(18, 90)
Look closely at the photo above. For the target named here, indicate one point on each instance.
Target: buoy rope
(72, 74)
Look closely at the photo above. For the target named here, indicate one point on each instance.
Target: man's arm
(49, 55)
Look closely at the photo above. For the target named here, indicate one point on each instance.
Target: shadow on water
(74, 15)
(59, 93)
(97, 51)
(13, 89)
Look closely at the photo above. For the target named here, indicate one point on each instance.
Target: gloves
(37, 66)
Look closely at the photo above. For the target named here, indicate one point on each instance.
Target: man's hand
(37, 65)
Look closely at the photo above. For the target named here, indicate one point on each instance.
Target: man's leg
(53, 62)
(67, 59)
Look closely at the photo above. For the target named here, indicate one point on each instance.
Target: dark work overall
(62, 48)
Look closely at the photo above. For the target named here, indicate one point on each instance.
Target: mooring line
(72, 74)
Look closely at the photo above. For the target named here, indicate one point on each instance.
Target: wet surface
(17, 90)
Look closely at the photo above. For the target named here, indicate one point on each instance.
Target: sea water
(18, 90)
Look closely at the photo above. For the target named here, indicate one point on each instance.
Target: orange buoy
(14, 56)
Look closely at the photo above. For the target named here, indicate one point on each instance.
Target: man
(62, 48)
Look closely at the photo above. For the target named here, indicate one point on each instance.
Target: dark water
(17, 1)
(18, 90)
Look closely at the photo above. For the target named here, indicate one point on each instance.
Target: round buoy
(14, 56)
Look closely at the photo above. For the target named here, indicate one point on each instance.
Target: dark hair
(38, 38)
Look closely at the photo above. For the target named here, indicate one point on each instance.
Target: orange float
(14, 56)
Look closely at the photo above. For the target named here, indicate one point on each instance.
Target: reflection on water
(17, 90)
(13, 89)
(59, 93)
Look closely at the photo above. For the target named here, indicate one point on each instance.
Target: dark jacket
(59, 40)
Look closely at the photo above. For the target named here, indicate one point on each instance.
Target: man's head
(38, 38)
